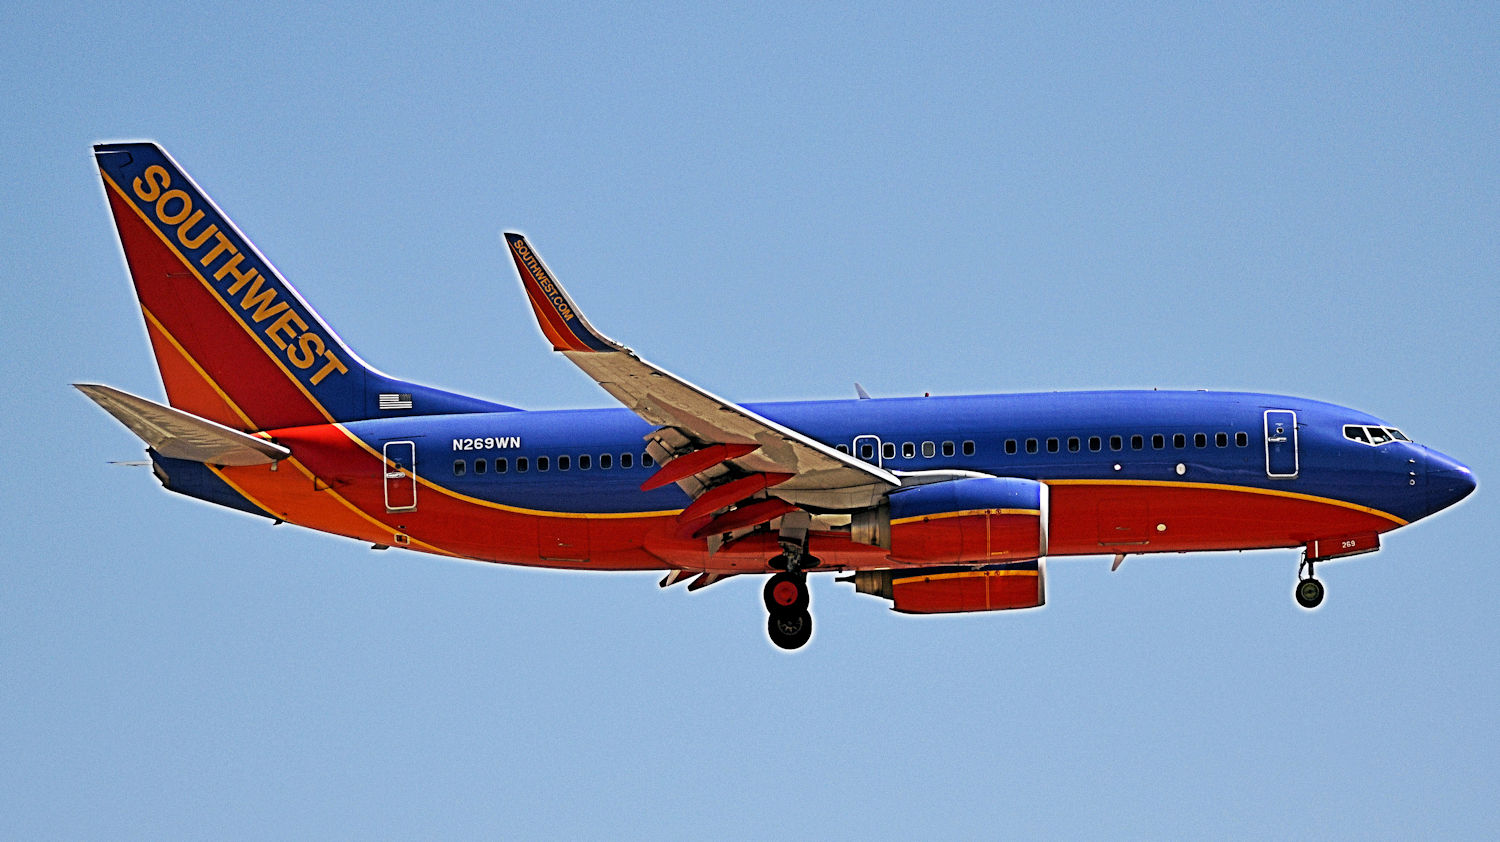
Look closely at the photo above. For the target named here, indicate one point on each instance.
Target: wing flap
(181, 435)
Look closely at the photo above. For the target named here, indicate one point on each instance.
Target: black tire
(790, 630)
(1309, 593)
(786, 593)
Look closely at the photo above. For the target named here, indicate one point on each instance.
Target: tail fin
(233, 340)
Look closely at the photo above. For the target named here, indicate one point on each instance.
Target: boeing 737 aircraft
(937, 504)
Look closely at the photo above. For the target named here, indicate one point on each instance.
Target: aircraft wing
(696, 426)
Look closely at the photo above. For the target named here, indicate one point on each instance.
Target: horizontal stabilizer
(181, 435)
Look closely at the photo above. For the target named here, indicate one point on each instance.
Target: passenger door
(400, 476)
(1281, 444)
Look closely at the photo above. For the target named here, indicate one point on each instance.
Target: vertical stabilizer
(233, 340)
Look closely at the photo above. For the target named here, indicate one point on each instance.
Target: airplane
(934, 504)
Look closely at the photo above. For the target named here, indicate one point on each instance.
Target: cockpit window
(1372, 435)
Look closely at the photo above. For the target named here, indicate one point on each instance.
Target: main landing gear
(1309, 590)
(787, 597)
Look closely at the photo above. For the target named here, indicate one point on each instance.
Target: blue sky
(773, 202)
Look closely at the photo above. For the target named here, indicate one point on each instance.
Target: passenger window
(585, 461)
(1158, 441)
(479, 466)
(908, 450)
(1031, 445)
(605, 461)
(522, 464)
(646, 460)
(929, 449)
(1095, 444)
(968, 448)
(1179, 440)
(947, 448)
(627, 460)
(1010, 447)
(867, 451)
(1200, 440)
(542, 464)
(501, 465)
(1052, 445)
(564, 463)
(842, 448)
(1241, 440)
(888, 450)
(459, 466)
(1221, 439)
(1075, 444)
(1378, 436)
(1116, 443)
(1137, 442)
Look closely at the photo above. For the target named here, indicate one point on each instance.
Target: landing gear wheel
(790, 629)
(1309, 593)
(786, 593)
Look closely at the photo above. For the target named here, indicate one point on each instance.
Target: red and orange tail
(233, 340)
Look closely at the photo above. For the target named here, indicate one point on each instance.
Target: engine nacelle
(952, 590)
(978, 520)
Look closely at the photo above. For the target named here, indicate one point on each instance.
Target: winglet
(560, 320)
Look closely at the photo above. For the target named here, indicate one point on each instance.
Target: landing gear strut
(1309, 590)
(786, 594)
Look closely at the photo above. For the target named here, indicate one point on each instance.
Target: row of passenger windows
(1075, 444)
(524, 464)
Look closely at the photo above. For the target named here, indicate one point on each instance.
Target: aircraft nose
(1448, 481)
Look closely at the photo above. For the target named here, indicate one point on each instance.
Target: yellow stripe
(967, 513)
(1246, 489)
(213, 292)
(964, 574)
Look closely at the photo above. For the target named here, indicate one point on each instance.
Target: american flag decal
(389, 401)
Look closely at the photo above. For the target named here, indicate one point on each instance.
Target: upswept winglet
(564, 326)
(819, 475)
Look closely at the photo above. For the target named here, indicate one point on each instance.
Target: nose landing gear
(1309, 590)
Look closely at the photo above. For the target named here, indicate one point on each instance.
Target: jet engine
(979, 520)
